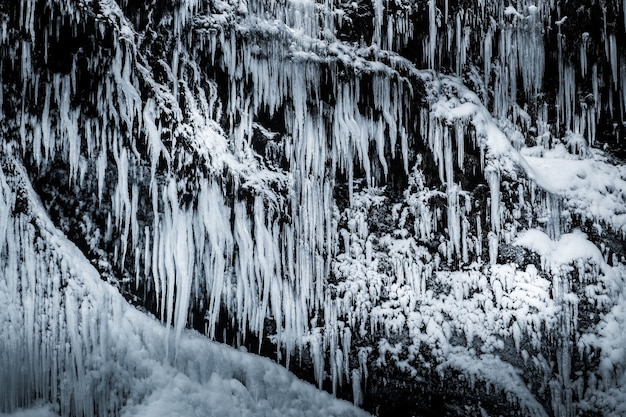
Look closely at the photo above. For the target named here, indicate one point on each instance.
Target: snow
(568, 248)
(486, 307)
(561, 21)
(480, 306)
(512, 11)
(593, 188)
(606, 391)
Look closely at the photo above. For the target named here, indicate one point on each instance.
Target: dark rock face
(417, 205)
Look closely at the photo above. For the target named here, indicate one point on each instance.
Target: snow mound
(592, 187)
(569, 248)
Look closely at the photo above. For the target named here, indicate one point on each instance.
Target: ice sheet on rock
(37, 411)
(107, 355)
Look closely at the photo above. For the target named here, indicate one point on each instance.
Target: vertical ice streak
(493, 178)
(432, 33)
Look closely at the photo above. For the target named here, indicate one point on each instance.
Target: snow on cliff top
(592, 187)
(567, 249)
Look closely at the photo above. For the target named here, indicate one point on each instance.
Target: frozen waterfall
(366, 191)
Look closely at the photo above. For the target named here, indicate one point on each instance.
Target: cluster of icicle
(512, 39)
(386, 286)
(390, 284)
(53, 328)
(269, 255)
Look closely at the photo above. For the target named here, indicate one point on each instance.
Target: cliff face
(418, 205)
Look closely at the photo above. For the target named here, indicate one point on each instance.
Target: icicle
(454, 221)
(554, 216)
(493, 178)
(378, 21)
(487, 51)
(357, 390)
(464, 240)
(122, 205)
(479, 236)
(613, 60)
(583, 54)
(432, 33)
(493, 247)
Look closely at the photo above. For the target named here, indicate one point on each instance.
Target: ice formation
(229, 160)
(72, 345)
